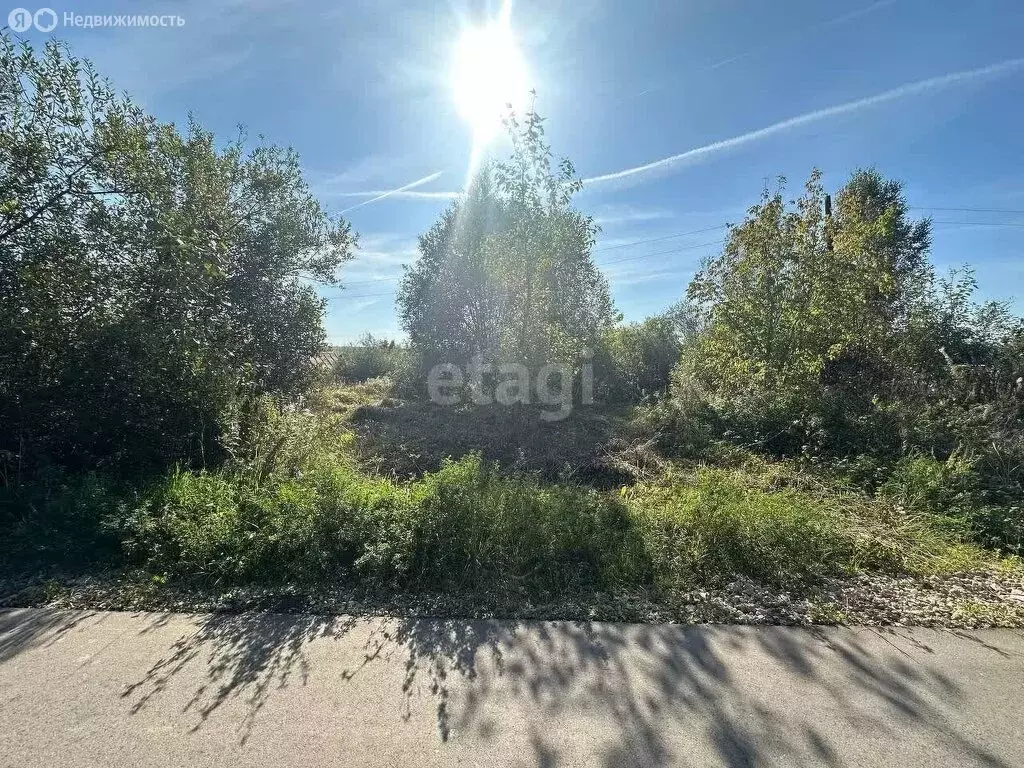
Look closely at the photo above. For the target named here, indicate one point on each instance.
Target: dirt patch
(408, 438)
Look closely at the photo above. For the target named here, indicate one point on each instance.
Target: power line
(658, 239)
(600, 266)
(374, 282)
(357, 296)
(964, 210)
(613, 261)
(661, 253)
(673, 251)
(596, 250)
(983, 223)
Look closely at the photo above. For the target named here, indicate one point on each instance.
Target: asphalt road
(119, 689)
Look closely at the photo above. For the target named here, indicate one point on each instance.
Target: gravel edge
(974, 600)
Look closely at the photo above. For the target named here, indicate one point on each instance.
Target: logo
(22, 19)
(45, 19)
(19, 19)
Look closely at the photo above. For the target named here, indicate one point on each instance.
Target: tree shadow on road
(652, 695)
(247, 655)
(658, 681)
(23, 629)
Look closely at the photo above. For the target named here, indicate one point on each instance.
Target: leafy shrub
(943, 488)
(1000, 527)
(462, 527)
(135, 319)
(216, 529)
(962, 498)
(682, 422)
(263, 437)
(372, 358)
(635, 360)
(58, 521)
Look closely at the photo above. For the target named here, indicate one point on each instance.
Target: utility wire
(357, 296)
(964, 210)
(596, 250)
(374, 282)
(658, 239)
(983, 223)
(661, 253)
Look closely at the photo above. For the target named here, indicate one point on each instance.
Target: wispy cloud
(359, 306)
(368, 171)
(625, 279)
(220, 38)
(894, 94)
(379, 251)
(612, 215)
(380, 195)
(779, 41)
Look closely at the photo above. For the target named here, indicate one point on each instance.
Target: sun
(488, 74)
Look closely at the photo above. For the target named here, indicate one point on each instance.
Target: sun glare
(488, 74)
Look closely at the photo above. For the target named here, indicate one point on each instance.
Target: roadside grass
(466, 526)
(297, 504)
(778, 526)
(471, 527)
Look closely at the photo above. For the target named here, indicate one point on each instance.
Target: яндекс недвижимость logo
(22, 19)
(46, 20)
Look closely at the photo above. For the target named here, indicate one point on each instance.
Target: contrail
(410, 194)
(849, 16)
(910, 89)
(405, 193)
(381, 195)
(819, 26)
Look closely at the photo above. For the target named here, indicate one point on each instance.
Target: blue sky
(713, 96)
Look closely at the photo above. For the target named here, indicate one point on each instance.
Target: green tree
(148, 279)
(807, 317)
(506, 272)
(637, 359)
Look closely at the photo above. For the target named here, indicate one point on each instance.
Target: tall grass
(468, 527)
(294, 506)
(782, 528)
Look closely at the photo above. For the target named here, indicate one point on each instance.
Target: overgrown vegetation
(832, 339)
(151, 281)
(297, 508)
(469, 527)
(635, 361)
(372, 358)
(820, 405)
